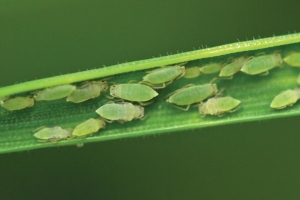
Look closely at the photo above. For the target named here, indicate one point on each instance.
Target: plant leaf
(255, 93)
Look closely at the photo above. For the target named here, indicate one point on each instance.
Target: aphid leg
(180, 108)
(42, 140)
(143, 118)
(236, 109)
(214, 79)
(249, 58)
(264, 74)
(79, 145)
(108, 121)
(145, 103)
(186, 86)
(153, 86)
(121, 121)
(221, 115)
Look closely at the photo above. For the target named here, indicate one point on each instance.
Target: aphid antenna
(39, 128)
(186, 86)
(145, 117)
(264, 74)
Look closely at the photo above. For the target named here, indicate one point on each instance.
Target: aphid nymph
(232, 68)
(286, 98)
(164, 76)
(192, 72)
(52, 134)
(121, 112)
(133, 92)
(17, 103)
(192, 94)
(261, 64)
(88, 127)
(54, 93)
(293, 59)
(218, 105)
(211, 68)
(89, 90)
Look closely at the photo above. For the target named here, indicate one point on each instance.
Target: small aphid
(52, 134)
(192, 94)
(286, 98)
(211, 68)
(261, 64)
(164, 76)
(218, 106)
(17, 103)
(232, 68)
(133, 92)
(88, 127)
(89, 90)
(54, 93)
(293, 59)
(121, 112)
(192, 72)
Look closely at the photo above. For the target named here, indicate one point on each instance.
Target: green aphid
(211, 68)
(52, 134)
(261, 64)
(54, 93)
(232, 68)
(161, 77)
(133, 92)
(89, 90)
(218, 106)
(293, 59)
(192, 72)
(286, 98)
(88, 127)
(121, 112)
(17, 103)
(192, 94)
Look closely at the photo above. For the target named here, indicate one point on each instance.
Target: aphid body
(192, 72)
(211, 68)
(261, 64)
(88, 127)
(293, 59)
(133, 92)
(52, 134)
(53, 93)
(123, 111)
(286, 98)
(164, 75)
(192, 94)
(232, 68)
(87, 91)
(217, 106)
(17, 103)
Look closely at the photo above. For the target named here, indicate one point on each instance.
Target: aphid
(232, 68)
(87, 91)
(211, 68)
(192, 72)
(286, 98)
(133, 92)
(52, 134)
(261, 64)
(121, 112)
(88, 127)
(17, 103)
(164, 76)
(192, 94)
(218, 106)
(293, 59)
(54, 93)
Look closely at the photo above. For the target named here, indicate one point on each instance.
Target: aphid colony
(144, 92)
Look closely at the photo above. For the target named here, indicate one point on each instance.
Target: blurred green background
(42, 38)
